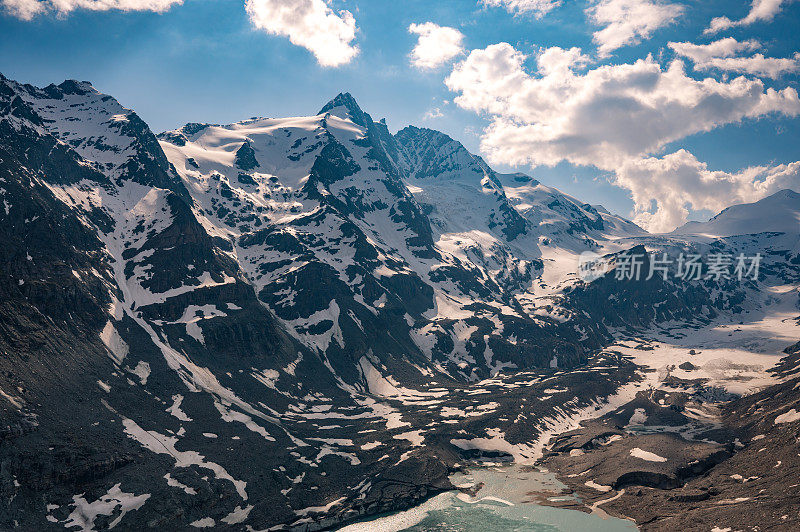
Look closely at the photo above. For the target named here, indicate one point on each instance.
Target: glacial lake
(505, 503)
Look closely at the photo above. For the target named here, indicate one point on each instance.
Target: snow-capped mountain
(297, 321)
(778, 213)
(409, 233)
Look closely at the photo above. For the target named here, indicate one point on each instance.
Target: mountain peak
(73, 86)
(786, 193)
(345, 100)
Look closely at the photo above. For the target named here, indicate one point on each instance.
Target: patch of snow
(638, 418)
(160, 444)
(142, 370)
(646, 455)
(117, 347)
(175, 409)
(415, 437)
(319, 509)
(85, 512)
(599, 487)
(176, 484)
(238, 515)
(789, 417)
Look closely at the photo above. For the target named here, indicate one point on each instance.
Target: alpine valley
(297, 323)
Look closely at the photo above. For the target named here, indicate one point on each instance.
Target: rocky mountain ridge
(291, 322)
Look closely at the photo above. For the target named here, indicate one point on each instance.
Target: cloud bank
(28, 9)
(678, 181)
(613, 117)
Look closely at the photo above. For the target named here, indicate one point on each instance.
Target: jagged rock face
(106, 268)
(246, 158)
(339, 242)
(641, 301)
(114, 139)
(205, 324)
(440, 162)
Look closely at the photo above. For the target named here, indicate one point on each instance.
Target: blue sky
(203, 61)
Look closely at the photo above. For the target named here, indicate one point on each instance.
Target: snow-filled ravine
(505, 498)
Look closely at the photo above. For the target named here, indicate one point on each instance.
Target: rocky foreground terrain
(689, 461)
(291, 323)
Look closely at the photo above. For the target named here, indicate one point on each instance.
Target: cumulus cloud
(760, 11)
(537, 8)
(28, 9)
(436, 45)
(603, 116)
(724, 55)
(678, 181)
(612, 117)
(311, 24)
(628, 22)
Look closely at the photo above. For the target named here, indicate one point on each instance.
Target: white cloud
(613, 117)
(701, 53)
(627, 22)
(603, 116)
(23, 9)
(556, 60)
(28, 9)
(433, 113)
(311, 24)
(678, 181)
(724, 55)
(757, 65)
(537, 8)
(436, 45)
(760, 11)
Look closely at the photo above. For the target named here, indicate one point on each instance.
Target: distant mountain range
(259, 324)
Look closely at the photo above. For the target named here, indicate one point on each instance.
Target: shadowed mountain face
(261, 323)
